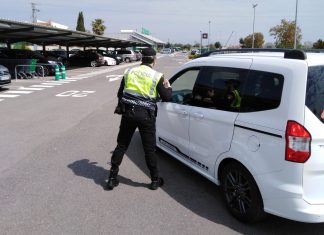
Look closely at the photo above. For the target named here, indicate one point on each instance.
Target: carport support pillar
(8, 45)
(67, 51)
(44, 47)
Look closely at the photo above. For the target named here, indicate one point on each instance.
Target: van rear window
(315, 91)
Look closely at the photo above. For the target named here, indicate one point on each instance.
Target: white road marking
(74, 93)
(18, 92)
(8, 96)
(1, 100)
(58, 82)
(113, 78)
(78, 78)
(31, 88)
(43, 86)
(48, 83)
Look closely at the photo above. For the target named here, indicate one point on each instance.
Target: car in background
(53, 54)
(38, 64)
(5, 78)
(86, 58)
(166, 51)
(127, 55)
(110, 59)
(138, 55)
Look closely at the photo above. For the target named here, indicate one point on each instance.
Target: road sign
(205, 35)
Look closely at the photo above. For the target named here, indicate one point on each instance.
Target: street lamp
(254, 6)
(200, 40)
(208, 33)
(295, 41)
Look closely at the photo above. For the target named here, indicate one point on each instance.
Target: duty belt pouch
(120, 108)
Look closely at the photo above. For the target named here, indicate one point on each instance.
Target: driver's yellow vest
(237, 99)
(142, 81)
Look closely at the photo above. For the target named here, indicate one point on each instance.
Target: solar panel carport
(13, 31)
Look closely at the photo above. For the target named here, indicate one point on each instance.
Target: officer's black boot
(112, 180)
(156, 183)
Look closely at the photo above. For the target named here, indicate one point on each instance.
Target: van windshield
(315, 91)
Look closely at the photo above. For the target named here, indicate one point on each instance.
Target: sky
(179, 21)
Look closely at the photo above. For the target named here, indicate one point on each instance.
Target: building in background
(139, 37)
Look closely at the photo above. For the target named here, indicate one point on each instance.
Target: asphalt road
(55, 143)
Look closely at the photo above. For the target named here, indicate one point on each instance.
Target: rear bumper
(295, 209)
(5, 80)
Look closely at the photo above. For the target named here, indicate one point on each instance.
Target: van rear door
(314, 122)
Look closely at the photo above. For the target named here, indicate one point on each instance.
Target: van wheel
(241, 194)
(93, 64)
(127, 60)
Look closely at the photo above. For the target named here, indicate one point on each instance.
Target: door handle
(198, 115)
(182, 112)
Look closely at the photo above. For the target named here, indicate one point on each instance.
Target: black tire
(39, 71)
(241, 193)
(93, 64)
(127, 60)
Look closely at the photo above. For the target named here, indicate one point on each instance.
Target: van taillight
(298, 142)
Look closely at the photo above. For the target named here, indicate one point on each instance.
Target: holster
(120, 108)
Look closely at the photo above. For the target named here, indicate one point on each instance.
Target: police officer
(137, 96)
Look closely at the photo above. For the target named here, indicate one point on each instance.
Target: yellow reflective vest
(142, 81)
(237, 99)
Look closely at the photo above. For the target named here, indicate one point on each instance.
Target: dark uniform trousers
(144, 120)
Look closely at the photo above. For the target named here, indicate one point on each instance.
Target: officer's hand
(166, 83)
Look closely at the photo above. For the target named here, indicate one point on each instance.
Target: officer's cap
(148, 52)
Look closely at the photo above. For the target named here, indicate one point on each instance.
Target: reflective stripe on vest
(142, 81)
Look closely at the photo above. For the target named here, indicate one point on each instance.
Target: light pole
(200, 41)
(295, 41)
(254, 6)
(208, 33)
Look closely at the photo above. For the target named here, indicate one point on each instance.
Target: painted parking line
(8, 96)
(41, 86)
(63, 82)
(18, 92)
(77, 78)
(48, 83)
(113, 78)
(30, 88)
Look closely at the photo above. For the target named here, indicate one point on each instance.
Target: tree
(284, 34)
(258, 40)
(217, 45)
(80, 23)
(319, 44)
(98, 27)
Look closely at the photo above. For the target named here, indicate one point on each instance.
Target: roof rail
(289, 53)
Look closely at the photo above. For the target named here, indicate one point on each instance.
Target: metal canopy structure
(13, 31)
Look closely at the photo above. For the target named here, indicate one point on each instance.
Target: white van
(252, 123)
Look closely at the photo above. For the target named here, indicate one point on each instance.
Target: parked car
(109, 58)
(54, 54)
(86, 58)
(5, 78)
(252, 123)
(138, 55)
(127, 55)
(37, 63)
(166, 51)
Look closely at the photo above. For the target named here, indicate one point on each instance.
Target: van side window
(315, 91)
(262, 91)
(182, 86)
(219, 88)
